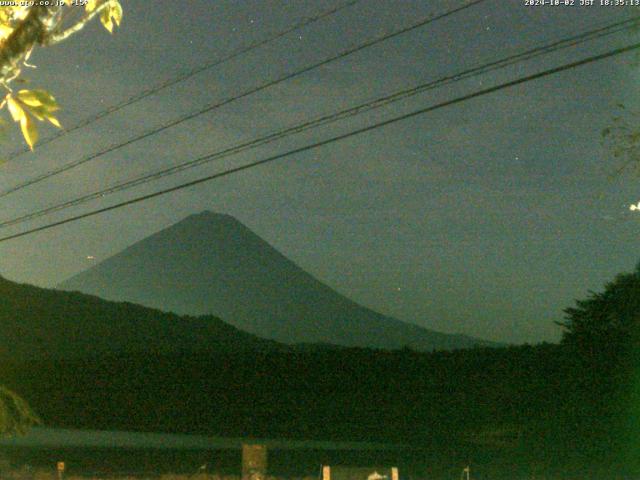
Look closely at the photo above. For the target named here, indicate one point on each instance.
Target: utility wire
(331, 118)
(337, 138)
(251, 91)
(187, 75)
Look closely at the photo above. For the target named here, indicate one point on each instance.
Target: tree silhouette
(603, 331)
(608, 320)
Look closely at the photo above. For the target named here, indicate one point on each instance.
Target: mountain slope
(212, 264)
(37, 322)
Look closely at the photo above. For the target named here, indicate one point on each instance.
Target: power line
(331, 118)
(337, 138)
(187, 75)
(211, 107)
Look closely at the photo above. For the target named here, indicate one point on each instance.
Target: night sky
(486, 218)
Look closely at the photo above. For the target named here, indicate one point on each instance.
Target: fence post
(326, 472)
(60, 469)
(254, 462)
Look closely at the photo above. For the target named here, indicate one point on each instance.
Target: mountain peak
(211, 263)
(208, 215)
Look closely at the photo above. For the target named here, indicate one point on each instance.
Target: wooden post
(60, 468)
(254, 462)
(326, 472)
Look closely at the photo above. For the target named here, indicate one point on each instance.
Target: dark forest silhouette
(568, 405)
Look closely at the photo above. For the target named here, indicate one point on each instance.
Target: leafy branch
(22, 28)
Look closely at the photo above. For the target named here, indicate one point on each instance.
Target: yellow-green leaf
(27, 97)
(37, 112)
(42, 113)
(111, 14)
(36, 98)
(105, 18)
(91, 5)
(15, 109)
(116, 12)
(29, 130)
(53, 120)
(5, 31)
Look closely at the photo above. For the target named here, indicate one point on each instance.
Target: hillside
(37, 323)
(212, 264)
